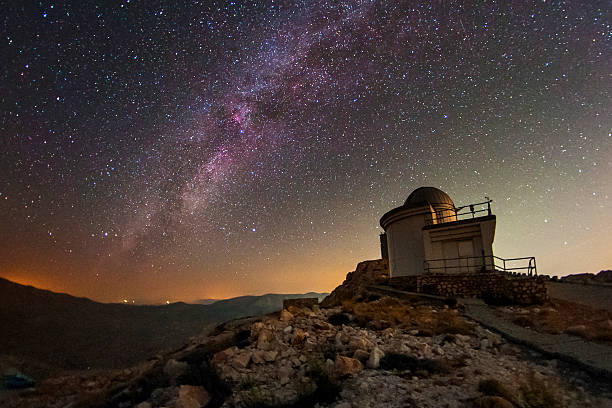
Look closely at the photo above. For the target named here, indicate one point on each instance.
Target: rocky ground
(561, 316)
(372, 353)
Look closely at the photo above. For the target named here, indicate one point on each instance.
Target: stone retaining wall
(496, 286)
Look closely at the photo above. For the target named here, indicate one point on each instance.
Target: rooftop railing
(472, 264)
(461, 213)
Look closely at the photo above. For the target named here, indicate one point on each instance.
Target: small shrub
(248, 382)
(404, 362)
(205, 375)
(523, 321)
(494, 388)
(497, 300)
(448, 322)
(328, 352)
(242, 338)
(338, 319)
(535, 393)
(449, 338)
(451, 302)
(325, 391)
(257, 397)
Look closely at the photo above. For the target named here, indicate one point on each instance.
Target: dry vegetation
(532, 392)
(561, 316)
(391, 312)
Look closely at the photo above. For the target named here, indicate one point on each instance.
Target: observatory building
(428, 234)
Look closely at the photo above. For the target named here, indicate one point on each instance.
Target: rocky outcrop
(355, 285)
(602, 278)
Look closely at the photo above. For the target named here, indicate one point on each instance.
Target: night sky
(154, 150)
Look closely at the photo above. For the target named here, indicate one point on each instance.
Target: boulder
(258, 356)
(285, 315)
(284, 374)
(346, 366)
(270, 355)
(242, 359)
(191, 396)
(264, 339)
(224, 355)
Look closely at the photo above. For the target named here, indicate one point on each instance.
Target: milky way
(157, 151)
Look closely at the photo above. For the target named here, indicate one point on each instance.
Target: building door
(466, 255)
(450, 253)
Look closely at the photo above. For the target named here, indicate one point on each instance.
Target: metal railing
(482, 264)
(462, 213)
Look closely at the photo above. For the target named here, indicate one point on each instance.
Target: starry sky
(184, 150)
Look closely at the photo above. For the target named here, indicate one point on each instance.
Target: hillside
(56, 331)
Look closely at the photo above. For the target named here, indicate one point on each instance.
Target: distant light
(167, 302)
(125, 300)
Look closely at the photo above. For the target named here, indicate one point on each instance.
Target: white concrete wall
(406, 250)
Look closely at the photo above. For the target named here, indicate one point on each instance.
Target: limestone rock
(374, 358)
(224, 355)
(346, 366)
(191, 396)
(285, 315)
(242, 359)
(256, 328)
(258, 357)
(264, 339)
(270, 355)
(284, 373)
(321, 325)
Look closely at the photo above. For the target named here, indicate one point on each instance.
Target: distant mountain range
(58, 331)
(205, 301)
